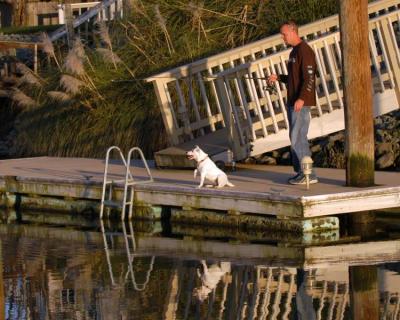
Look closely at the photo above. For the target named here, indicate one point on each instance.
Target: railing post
(166, 112)
(233, 137)
(392, 53)
(61, 15)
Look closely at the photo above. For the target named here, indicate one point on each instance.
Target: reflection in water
(60, 273)
(210, 276)
(365, 294)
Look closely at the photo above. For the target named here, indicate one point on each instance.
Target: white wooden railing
(225, 92)
(77, 9)
(86, 14)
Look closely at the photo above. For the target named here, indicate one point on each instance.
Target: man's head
(289, 32)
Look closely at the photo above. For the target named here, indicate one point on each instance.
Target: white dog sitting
(207, 169)
(210, 276)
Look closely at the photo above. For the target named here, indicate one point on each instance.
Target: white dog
(210, 276)
(207, 169)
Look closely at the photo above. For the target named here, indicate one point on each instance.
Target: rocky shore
(328, 151)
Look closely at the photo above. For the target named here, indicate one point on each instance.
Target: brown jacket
(300, 79)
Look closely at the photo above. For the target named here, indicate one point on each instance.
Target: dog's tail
(230, 184)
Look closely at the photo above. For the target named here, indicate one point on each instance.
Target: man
(300, 82)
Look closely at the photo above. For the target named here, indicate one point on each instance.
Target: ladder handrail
(127, 165)
(105, 181)
(128, 180)
(143, 159)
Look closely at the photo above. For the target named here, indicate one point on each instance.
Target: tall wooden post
(357, 93)
(18, 18)
(69, 22)
(2, 297)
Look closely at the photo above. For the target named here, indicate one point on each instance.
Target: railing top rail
(84, 4)
(6, 44)
(251, 65)
(273, 40)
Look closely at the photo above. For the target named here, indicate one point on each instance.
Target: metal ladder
(128, 183)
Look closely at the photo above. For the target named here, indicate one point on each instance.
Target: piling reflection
(120, 272)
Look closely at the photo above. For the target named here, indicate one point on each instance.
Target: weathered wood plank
(5, 45)
(362, 200)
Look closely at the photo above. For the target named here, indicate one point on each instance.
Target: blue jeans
(299, 122)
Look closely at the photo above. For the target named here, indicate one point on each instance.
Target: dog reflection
(210, 277)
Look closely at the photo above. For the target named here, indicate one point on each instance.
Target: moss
(28, 29)
(360, 171)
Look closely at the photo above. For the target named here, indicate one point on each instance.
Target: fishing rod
(270, 87)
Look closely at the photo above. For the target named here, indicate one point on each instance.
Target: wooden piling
(356, 74)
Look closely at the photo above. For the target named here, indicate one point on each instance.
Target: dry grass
(163, 25)
(78, 48)
(197, 23)
(74, 63)
(71, 84)
(22, 99)
(48, 48)
(60, 96)
(104, 34)
(28, 77)
(109, 56)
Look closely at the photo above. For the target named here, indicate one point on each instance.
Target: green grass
(129, 115)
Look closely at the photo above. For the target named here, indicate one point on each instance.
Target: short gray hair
(292, 25)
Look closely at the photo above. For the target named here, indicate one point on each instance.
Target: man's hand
(299, 103)
(272, 78)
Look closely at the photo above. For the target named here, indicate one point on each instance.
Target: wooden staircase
(86, 13)
(220, 103)
(105, 10)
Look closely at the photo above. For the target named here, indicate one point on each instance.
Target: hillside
(113, 105)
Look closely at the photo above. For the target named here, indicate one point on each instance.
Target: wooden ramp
(225, 92)
(214, 144)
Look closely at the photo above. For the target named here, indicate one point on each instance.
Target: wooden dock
(75, 184)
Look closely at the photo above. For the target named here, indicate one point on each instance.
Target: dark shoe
(301, 179)
(294, 177)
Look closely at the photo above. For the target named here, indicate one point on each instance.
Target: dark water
(134, 272)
